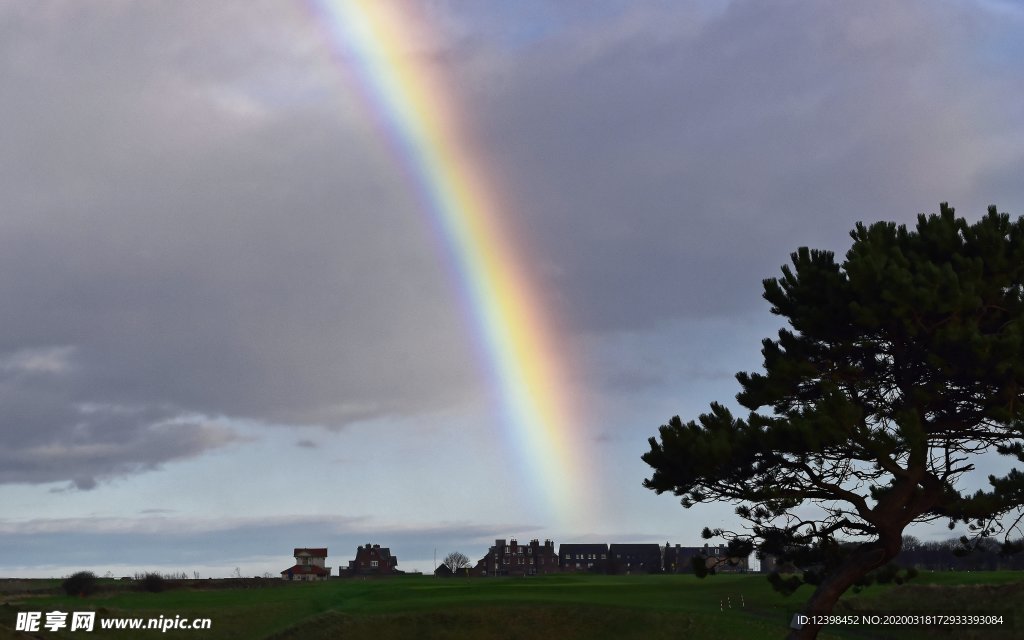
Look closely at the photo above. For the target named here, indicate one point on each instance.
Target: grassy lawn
(567, 606)
(948, 593)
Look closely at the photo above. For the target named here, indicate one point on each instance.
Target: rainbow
(414, 110)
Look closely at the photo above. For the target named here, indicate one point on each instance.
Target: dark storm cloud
(189, 213)
(48, 437)
(673, 157)
(198, 220)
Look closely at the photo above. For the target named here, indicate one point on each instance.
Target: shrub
(153, 582)
(83, 583)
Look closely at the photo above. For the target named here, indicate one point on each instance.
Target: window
(373, 563)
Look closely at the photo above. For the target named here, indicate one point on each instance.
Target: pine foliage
(898, 367)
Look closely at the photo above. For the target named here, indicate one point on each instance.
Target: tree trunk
(834, 586)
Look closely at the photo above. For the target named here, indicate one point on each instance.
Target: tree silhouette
(82, 583)
(455, 561)
(898, 368)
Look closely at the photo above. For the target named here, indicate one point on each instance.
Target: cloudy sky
(230, 329)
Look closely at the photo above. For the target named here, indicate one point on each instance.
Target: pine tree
(897, 369)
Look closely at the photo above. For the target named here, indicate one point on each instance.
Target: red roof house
(310, 564)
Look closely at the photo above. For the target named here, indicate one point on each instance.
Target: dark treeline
(950, 555)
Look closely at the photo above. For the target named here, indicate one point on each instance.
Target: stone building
(514, 559)
(372, 560)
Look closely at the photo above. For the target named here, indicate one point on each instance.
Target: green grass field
(566, 606)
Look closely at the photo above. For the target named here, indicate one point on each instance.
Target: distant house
(680, 559)
(310, 564)
(514, 559)
(634, 558)
(372, 560)
(443, 571)
(583, 557)
(724, 563)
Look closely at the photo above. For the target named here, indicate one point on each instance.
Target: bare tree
(455, 561)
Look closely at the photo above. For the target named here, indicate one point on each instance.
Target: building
(310, 564)
(634, 558)
(680, 559)
(372, 560)
(583, 557)
(514, 559)
(726, 564)
(443, 571)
